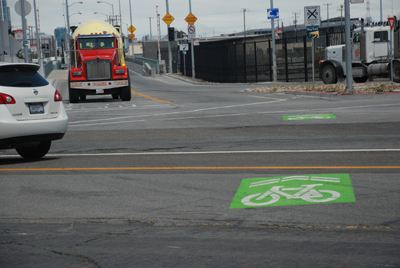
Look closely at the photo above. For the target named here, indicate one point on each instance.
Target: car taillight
(6, 99)
(57, 96)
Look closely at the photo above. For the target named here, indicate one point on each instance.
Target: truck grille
(98, 69)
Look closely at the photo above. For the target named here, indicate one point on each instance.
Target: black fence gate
(250, 60)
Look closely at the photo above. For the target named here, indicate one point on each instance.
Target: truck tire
(360, 79)
(73, 95)
(396, 71)
(35, 152)
(125, 92)
(328, 74)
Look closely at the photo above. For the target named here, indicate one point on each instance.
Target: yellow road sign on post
(191, 19)
(131, 29)
(168, 19)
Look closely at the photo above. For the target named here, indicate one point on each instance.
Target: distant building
(60, 33)
(5, 12)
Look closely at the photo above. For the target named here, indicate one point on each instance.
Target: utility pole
(1, 33)
(169, 45)
(275, 72)
(349, 71)
(192, 45)
(159, 37)
(327, 12)
(341, 14)
(151, 35)
(244, 23)
(327, 15)
(24, 31)
(131, 47)
(295, 23)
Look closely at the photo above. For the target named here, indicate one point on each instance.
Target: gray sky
(215, 17)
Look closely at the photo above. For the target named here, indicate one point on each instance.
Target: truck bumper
(99, 85)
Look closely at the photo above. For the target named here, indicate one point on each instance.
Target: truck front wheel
(125, 92)
(396, 71)
(328, 74)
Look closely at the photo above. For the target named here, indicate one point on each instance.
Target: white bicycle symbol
(306, 192)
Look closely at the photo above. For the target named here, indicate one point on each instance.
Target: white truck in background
(370, 56)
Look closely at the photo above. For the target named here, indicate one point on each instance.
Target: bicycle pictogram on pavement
(294, 190)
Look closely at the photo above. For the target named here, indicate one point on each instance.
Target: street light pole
(192, 46)
(68, 29)
(38, 40)
(98, 2)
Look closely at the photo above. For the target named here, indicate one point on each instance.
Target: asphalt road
(159, 181)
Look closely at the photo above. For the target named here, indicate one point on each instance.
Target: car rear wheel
(35, 152)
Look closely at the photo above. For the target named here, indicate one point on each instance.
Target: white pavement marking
(71, 124)
(222, 152)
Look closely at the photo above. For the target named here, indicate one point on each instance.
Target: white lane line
(175, 113)
(221, 152)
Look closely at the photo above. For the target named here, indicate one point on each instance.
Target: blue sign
(273, 13)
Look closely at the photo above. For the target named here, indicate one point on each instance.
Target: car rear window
(21, 76)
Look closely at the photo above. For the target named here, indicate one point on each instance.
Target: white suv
(31, 111)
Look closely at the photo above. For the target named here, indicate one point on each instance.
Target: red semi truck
(97, 64)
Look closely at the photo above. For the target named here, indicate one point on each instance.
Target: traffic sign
(356, 1)
(168, 19)
(191, 19)
(273, 13)
(391, 22)
(312, 15)
(131, 36)
(312, 32)
(27, 8)
(192, 32)
(131, 29)
(184, 47)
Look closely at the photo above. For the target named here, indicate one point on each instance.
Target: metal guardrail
(140, 60)
(49, 67)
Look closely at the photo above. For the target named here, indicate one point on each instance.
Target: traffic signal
(171, 34)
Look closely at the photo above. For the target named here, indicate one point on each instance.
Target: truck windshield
(97, 43)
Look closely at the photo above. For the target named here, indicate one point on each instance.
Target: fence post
(270, 60)
(286, 60)
(255, 60)
(236, 63)
(245, 62)
(305, 58)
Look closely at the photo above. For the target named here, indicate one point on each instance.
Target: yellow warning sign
(131, 29)
(168, 19)
(191, 19)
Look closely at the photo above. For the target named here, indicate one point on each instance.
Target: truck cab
(97, 63)
(370, 56)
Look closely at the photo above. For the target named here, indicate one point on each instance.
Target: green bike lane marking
(294, 190)
(309, 117)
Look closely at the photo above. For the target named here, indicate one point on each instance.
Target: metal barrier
(153, 63)
(49, 67)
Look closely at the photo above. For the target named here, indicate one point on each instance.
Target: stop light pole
(169, 46)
